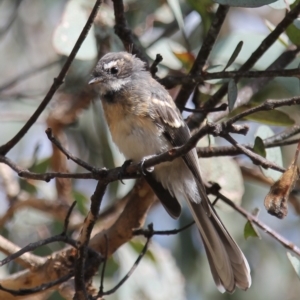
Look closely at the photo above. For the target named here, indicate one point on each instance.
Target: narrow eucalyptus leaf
(232, 94)
(235, 53)
(295, 263)
(245, 3)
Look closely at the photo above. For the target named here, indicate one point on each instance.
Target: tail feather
(227, 262)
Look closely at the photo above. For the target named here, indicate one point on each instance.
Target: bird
(144, 121)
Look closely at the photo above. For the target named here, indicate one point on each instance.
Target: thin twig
(141, 255)
(256, 159)
(267, 105)
(222, 107)
(104, 266)
(250, 74)
(66, 223)
(203, 54)
(148, 233)
(69, 155)
(204, 152)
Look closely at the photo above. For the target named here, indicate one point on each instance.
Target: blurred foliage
(38, 32)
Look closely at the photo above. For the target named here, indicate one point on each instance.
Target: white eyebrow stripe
(109, 65)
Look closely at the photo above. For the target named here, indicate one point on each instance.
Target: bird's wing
(176, 131)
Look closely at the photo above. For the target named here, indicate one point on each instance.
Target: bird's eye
(114, 70)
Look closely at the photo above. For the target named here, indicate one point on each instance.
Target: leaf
(176, 9)
(259, 147)
(27, 186)
(81, 200)
(282, 4)
(294, 34)
(138, 247)
(112, 267)
(276, 201)
(273, 154)
(41, 166)
(186, 58)
(271, 117)
(235, 53)
(295, 262)
(232, 94)
(249, 230)
(245, 3)
(66, 33)
(293, 31)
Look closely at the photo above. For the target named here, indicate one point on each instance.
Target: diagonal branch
(203, 54)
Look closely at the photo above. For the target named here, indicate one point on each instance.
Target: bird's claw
(144, 171)
(123, 169)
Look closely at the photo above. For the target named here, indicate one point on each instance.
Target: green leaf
(259, 147)
(272, 117)
(81, 200)
(112, 267)
(250, 230)
(295, 263)
(28, 187)
(138, 247)
(41, 166)
(235, 53)
(294, 34)
(245, 3)
(232, 94)
(273, 154)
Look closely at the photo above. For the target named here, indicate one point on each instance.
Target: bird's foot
(143, 171)
(123, 169)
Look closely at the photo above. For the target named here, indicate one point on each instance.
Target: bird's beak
(95, 80)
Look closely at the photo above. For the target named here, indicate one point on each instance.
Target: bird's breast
(136, 136)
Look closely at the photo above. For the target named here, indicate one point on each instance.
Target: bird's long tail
(227, 262)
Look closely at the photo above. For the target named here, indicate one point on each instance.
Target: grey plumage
(144, 121)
